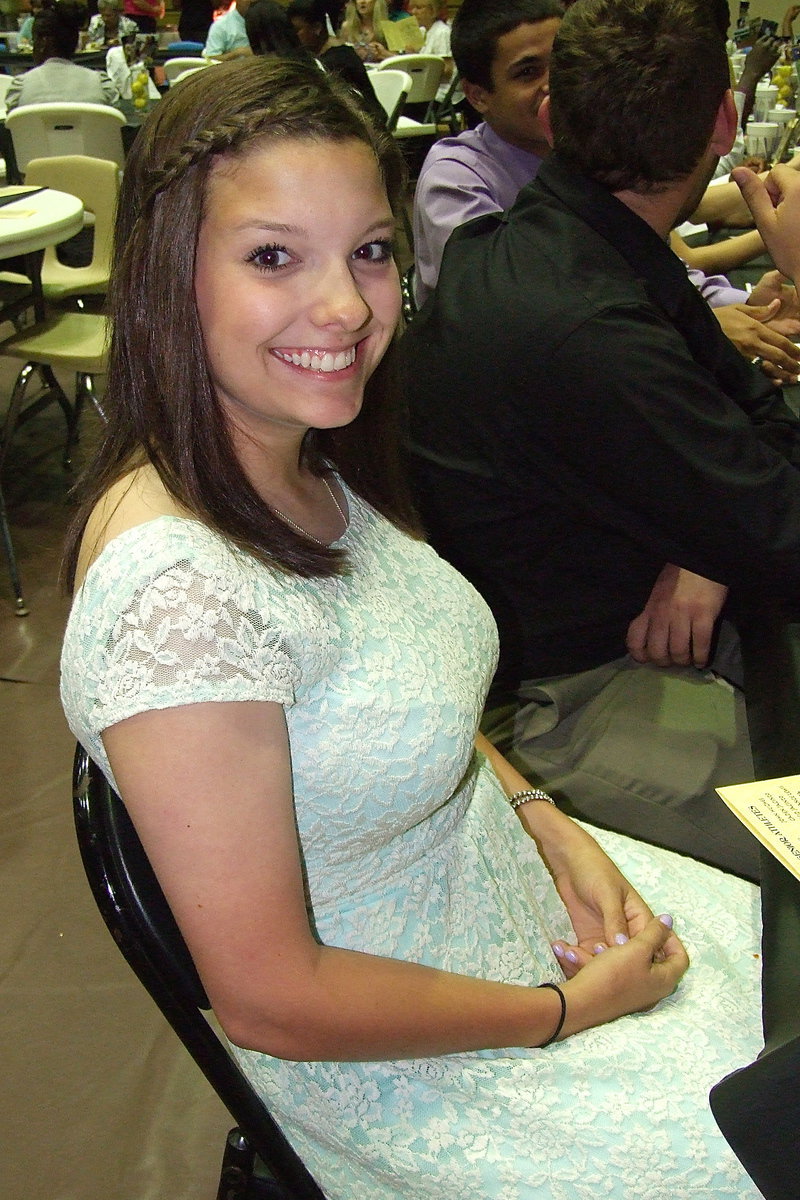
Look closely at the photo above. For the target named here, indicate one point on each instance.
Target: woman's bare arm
(209, 789)
(719, 257)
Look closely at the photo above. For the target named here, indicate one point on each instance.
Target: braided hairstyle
(162, 404)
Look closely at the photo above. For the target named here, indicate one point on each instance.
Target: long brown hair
(162, 404)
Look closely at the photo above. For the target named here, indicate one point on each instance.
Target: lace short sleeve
(162, 622)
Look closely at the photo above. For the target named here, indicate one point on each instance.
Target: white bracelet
(520, 798)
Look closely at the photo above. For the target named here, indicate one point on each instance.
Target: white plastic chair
(175, 67)
(193, 71)
(391, 89)
(48, 130)
(426, 74)
(95, 181)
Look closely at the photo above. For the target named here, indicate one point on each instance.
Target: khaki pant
(638, 749)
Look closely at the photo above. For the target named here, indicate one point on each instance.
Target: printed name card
(771, 811)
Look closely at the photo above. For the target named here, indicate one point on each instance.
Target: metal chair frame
(37, 348)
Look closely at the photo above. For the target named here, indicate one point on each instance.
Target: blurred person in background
(313, 21)
(55, 77)
(109, 25)
(361, 29)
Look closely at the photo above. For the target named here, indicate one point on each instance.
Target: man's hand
(677, 623)
(775, 205)
(774, 286)
(750, 328)
(761, 58)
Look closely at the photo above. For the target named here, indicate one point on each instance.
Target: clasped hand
(624, 959)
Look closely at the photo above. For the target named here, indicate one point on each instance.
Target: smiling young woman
(284, 682)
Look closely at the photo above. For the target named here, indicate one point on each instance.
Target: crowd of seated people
(56, 33)
(502, 52)
(333, 24)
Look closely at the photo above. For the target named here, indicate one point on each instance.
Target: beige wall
(773, 10)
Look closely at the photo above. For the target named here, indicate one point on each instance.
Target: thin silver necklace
(305, 532)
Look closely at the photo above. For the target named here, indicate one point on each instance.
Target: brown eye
(377, 252)
(270, 258)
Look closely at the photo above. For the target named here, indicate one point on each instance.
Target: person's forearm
(510, 778)
(337, 1004)
(545, 823)
(359, 1007)
(356, 1007)
(721, 257)
(722, 204)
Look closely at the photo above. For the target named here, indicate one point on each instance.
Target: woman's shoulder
(138, 536)
(128, 509)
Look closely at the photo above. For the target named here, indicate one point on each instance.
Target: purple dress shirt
(463, 177)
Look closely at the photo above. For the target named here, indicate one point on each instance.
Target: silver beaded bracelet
(520, 798)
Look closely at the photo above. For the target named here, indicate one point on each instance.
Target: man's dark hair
(479, 24)
(635, 86)
(269, 30)
(56, 29)
(315, 11)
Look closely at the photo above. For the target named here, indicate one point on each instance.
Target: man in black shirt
(592, 452)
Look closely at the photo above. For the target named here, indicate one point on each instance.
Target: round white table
(39, 218)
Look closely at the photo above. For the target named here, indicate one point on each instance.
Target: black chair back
(133, 907)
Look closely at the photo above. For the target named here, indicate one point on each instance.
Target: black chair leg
(244, 1176)
(21, 608)
(18, 412)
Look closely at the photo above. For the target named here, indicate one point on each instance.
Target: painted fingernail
(570, 956)
(666, 919)
(600, 947)
(558, 950)
(621, 938)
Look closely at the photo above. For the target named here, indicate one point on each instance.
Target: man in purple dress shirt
(502, 52)
(504, 65)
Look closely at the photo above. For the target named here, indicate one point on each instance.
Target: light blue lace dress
(412, 851)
